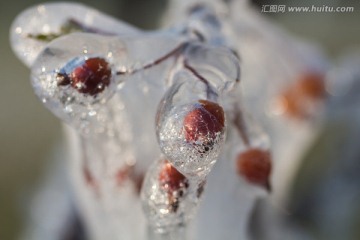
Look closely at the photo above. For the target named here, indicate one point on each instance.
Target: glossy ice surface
(142, 100)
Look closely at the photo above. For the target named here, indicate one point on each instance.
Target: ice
(49, 18)
(192, 154)
(166, 91)
(203, 21)
(272, 61)
(119, 152)
(227, 203)
(217, 64)
(169, 199)
(193, 159)
(104, 173)
(246, 127)
(229, 196)
(62, 57)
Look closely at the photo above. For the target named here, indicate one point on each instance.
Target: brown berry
(90, 78)
(298, 98)
(293, 105)
(312, 85)
(204, 122)
(255, 165)
(171, 179)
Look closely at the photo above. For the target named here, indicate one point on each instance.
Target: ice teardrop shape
(169, 198)
(30, 28)
(75, 72)
(190, 129)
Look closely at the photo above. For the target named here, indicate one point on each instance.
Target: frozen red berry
(312, 85)
(174, 183)
(255, 165)
(91, 78)
(298, 99)
(171, 179)
(204, 122)
(293, 105)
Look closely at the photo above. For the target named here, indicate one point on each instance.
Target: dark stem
(198, 35)
(173, 53)
(240, 125)
(237, 56)
(209, 91)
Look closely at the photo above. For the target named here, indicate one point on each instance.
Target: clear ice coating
(129, 95)
(217, 64)
(75, 76)
(190, 128)
(60, 69)
(228, 200)
(64, 73)
(169, 198)
(56, 19)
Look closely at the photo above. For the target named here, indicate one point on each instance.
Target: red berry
(173, 182)
(298, 97)
(312, 85)
(171, 179)
(255, 165)
(90, 78)
(202, 123)
(293, 105)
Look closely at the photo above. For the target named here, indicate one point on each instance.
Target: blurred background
(29, 133)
